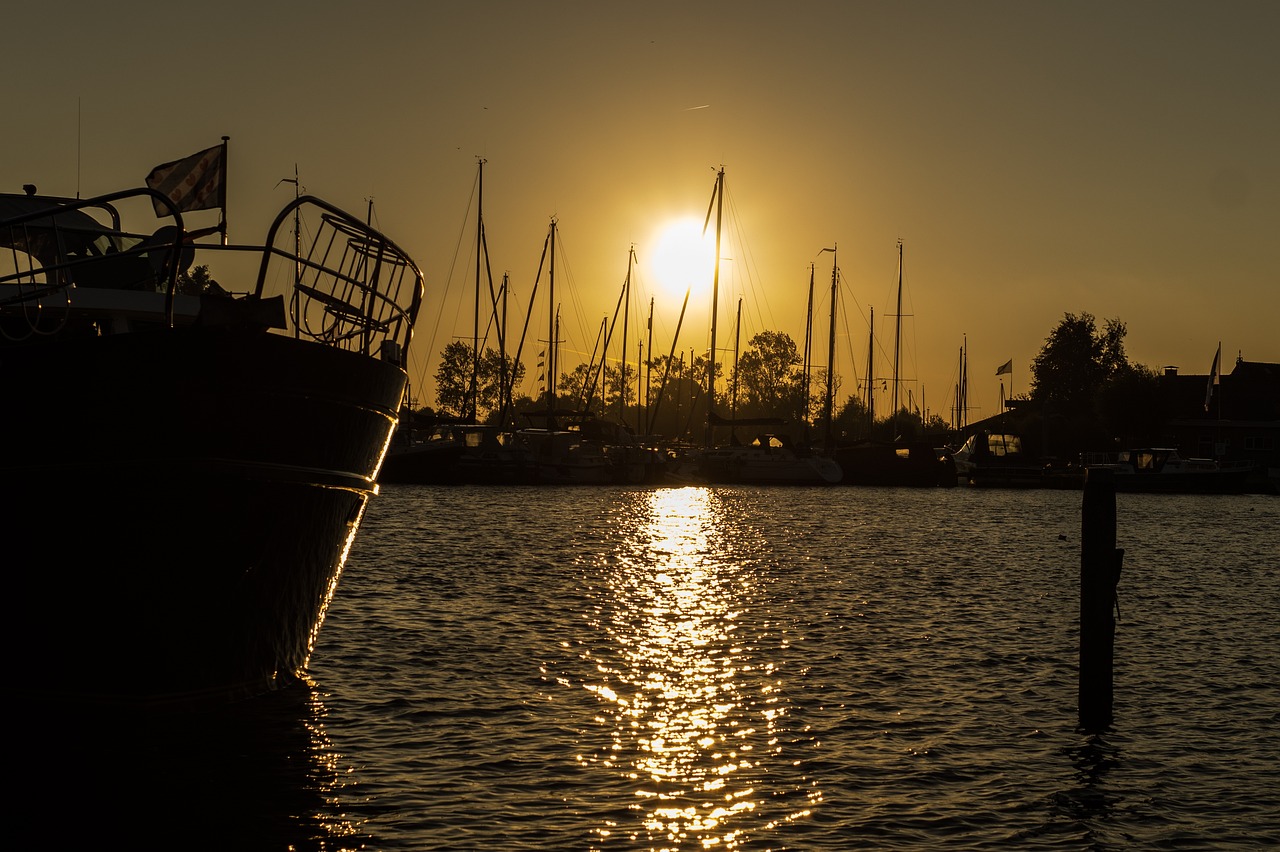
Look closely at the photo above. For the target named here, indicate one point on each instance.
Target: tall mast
(897, 343)
(553, 328)
(807, 369)
(626, 310)
(475, 315)
(648, 369)
(871, 375)
(717, 199)
(831, 353)
(505, 377)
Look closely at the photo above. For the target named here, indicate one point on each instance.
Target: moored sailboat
(899, 462)
(771, 458)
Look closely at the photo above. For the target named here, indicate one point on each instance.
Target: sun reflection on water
(694, 709)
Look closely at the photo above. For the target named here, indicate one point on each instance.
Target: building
(1235, 416)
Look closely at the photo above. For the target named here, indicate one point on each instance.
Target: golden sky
(1035, 158)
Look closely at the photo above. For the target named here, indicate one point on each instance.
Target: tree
(769, 385)
(1070, 379)
(1075, 361)
(1133, 407)
(453, 380)
(198, 282)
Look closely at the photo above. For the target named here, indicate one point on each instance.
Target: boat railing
(59, 245)
(352, 287)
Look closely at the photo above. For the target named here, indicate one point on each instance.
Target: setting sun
(683, 257)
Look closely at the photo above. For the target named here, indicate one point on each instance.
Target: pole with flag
(1215, 378)
(197, 182)
(1005, 369)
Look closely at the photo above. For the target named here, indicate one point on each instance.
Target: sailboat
(900, 462)
(771, 458)
(561, 454)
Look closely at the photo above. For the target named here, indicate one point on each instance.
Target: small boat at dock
(1163, 470)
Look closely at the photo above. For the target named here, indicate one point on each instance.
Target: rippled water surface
(698, 668)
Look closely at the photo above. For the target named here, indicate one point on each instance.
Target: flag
(1215, 378)
(1006, 367)
(198, 182)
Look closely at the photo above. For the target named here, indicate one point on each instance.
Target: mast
(475, 315)
(662, 388)
(897, 343)
(648, 369)
(831, 354)
(717, 199)
(871, 375)
(626, 311)
(505, 376)
(553, 327)
(807, 369)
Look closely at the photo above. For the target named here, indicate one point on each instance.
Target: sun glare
(682, 258)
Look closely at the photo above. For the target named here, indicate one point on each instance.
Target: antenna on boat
(226, 167)
(297, 225)
(78, 138)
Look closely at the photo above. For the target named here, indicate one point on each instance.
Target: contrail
(690, 109)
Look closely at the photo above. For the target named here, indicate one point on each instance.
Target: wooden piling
(1099, 575)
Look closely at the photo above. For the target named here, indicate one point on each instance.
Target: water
(743, 669)
(799, 669)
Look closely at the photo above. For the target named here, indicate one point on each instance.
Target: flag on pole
(1215, 377)
(197, 182)
(1006, 367)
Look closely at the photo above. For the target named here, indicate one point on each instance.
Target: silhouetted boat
(996, 460)
(1162, 470)
(770, 459)
(422, 456)
(899, 463)
(186, 472)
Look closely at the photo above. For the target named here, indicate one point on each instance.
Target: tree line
(666, 394)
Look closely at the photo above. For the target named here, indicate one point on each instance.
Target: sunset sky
(1035, 158)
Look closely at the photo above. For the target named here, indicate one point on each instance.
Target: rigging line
(848, 336)
(448, 283)
(744, 267)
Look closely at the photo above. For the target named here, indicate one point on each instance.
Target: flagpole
(222, 226)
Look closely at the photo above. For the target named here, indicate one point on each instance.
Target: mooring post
(1099, 575)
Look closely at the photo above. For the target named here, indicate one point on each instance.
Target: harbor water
(741, 669)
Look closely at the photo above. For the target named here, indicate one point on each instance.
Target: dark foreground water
(734, 669)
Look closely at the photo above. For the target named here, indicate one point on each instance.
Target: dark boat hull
(188, 497)
(910, 465)
(1219, 482)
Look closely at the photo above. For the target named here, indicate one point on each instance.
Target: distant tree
(1068, 379)
(769, 385)
(676, 402)
(454, 380)
(1075, 361)
(198, 282)
(1133, 407)
(851, 420)
(573, 385)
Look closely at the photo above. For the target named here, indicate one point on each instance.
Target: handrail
(105, 202)
(369, 289)
(354, 287)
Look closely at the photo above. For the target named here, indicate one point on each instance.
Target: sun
(682, 257)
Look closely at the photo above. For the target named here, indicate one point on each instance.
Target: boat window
(1004, 445)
